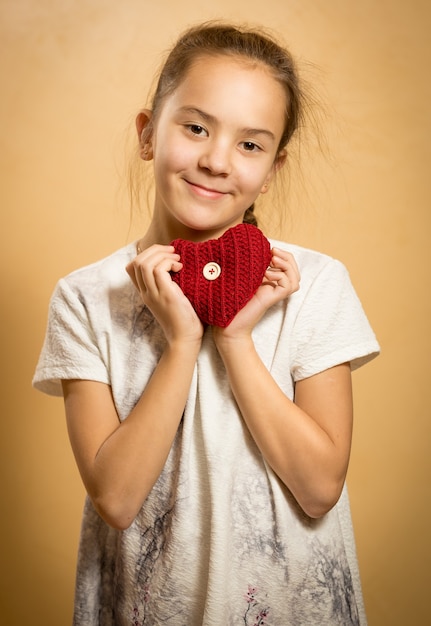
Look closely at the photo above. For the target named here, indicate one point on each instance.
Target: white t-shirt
(219, 540)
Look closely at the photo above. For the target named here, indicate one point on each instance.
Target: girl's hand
(149, 272)
(121, 461)
(281, 279)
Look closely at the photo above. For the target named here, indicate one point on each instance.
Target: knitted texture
(240, 256)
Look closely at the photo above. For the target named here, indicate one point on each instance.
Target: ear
(144, 127)
(279, 161)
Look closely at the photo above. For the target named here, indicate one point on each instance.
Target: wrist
(226, 342)
(184, 347)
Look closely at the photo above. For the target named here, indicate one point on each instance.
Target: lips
(205, 192)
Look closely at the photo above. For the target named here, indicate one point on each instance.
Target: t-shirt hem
(357, 357)
(50, 382)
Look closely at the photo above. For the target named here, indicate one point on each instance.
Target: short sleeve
(331, 326)
(70, 349)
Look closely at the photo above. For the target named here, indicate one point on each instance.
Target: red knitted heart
(220, 276)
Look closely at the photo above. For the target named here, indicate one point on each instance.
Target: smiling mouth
(205, 192)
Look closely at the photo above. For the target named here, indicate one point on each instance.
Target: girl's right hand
(149, 272)
(120, 461)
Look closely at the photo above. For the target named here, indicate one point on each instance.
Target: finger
(152, 256)
(145, 256)
(161, 271)
(274, 276)
(284, 260)
(153, 277)
(286, 280)
(151, 265)
(130, 269)
(155, 249)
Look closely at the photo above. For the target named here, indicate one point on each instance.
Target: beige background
(73, 76)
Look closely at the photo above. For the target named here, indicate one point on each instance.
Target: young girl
(214, 456)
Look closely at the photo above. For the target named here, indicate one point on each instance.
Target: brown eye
(249, 146)
(196, 129)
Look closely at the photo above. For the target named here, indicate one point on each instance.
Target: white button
(211, 271)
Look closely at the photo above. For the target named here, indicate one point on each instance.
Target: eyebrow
(253, 132)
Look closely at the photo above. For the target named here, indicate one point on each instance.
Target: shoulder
(328, 321)
(110, 269)
(96, 290)
(313, 264)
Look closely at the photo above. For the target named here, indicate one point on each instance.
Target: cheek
(253, 177)
(173, 157)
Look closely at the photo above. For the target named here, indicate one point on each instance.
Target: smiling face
(215, 146)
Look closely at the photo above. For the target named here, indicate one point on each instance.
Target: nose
(216, 158)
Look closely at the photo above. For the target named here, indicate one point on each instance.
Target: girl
(214, 457)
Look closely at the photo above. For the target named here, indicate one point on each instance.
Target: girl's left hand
(281, 279)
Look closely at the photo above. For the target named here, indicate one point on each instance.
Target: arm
(306, 442)
(120, 462)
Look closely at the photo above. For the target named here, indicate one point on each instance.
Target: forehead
(224, 84)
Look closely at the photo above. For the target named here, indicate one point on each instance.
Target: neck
(164, 233)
